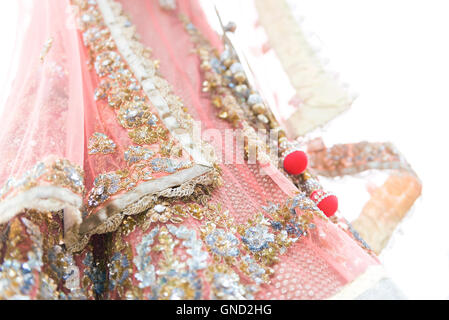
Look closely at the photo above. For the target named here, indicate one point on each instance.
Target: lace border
(109, 218)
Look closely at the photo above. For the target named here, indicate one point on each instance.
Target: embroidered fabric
(35, 265)
(183, 234)
(41, 138)
(62, 139)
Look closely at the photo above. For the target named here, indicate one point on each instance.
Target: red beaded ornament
(326, 202)
(295, 162)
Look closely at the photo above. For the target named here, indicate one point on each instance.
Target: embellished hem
(141, 198)
(40, 198)
(50, 185)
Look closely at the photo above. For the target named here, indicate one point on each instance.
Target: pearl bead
(239, 77)
(259, 108)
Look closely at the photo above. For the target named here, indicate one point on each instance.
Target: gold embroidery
(36, 260)
(59, 173)
(147, 135)
(100, 143)
(226, 84)
(123, 92)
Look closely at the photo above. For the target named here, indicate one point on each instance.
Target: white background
(394, 55)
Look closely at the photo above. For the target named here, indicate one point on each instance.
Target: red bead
(328, 203)
(295, 162)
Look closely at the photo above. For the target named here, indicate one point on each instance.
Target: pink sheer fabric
(322, 263)
(47, 93)
(44, 115)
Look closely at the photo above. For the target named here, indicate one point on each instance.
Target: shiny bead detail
(259, 108)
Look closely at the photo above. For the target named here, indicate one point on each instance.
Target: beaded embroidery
(223, 250)
(60, 173)
(33, 259)
(100, 143)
